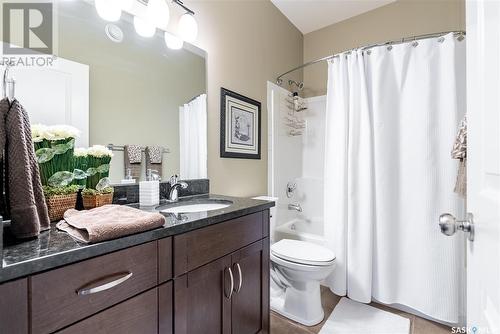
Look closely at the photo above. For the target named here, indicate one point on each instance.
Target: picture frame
(240, 126)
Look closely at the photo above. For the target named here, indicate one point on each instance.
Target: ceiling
(311, 15)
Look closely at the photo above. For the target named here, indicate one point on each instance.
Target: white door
(483, 200)
(57, 94)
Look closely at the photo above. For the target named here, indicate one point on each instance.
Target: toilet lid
(302, 252)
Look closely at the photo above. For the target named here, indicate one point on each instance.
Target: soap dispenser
(149, 190)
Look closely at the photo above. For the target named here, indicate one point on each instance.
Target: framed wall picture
(240, 126)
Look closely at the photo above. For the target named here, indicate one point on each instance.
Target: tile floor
(281, 325)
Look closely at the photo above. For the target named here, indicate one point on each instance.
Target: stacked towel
(20, 177)
(154, 157)
(108, 222)
(133, 160)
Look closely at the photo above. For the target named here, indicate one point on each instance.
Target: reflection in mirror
(119, 88)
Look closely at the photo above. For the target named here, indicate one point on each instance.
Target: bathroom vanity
(202, 272)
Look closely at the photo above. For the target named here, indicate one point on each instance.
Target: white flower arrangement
(99, 151)
(40, 132)
(81, 152)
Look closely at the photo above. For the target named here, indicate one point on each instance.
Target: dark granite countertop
(55, 248)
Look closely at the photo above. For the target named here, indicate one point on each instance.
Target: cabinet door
(201, 299)
(250, 301)
(165, 308)
(14, 306)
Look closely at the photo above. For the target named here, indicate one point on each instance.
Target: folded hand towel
(133, 160)
(133, 153)
(154, 155)
(108, 222)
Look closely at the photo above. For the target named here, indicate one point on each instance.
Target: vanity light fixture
(109, 10)
(158, 13)
(173, 42)
(188, 27)
(144, 28)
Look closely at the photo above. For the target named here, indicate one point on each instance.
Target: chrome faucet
(295, 207)
(175, 184)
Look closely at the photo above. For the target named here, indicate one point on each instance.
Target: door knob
(449, 225)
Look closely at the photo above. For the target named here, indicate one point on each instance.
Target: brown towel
(133, 160)
(108, 222)
(154, 157)
(21, 180)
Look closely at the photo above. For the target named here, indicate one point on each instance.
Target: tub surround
(55, 248)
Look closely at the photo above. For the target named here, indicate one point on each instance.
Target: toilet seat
(302, 253)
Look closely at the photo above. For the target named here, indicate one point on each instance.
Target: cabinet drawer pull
(232, 284)
(122, 277)
(240, 278)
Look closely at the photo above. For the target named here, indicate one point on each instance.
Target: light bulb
(188, 28)
(158, 13)
(143, 28)
(173, 42)
(109, 10)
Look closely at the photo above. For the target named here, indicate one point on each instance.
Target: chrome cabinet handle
(95, 289)
(232, 284)
(240, 278)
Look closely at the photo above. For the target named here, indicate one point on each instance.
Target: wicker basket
(94, 201)
(58, 204)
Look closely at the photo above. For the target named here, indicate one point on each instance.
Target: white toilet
(297, 268)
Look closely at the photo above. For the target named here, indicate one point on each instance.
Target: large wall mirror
(122, 89)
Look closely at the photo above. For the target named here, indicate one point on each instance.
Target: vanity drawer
(138, 315)
(196, 248)
(64, 296)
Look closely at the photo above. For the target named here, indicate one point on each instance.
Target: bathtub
(297, 229)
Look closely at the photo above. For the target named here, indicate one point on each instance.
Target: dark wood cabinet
(14, 307)
(229, 295)
(166, 308)
(211, 280)
(138, 315)
(196, 248)
(249, 302)
(58, 296)
(201, 298)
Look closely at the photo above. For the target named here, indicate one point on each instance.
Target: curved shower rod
(459, 33)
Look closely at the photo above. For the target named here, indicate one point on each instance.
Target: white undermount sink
(198, 207)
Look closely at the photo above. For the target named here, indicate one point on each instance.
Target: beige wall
(248, 43)
(403, 18)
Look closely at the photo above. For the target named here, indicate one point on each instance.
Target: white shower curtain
(193, 138)
(392, 114)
